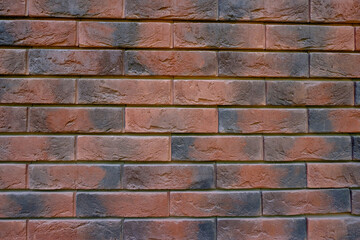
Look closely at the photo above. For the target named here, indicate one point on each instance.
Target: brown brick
(124, 91)
(36, 204)
(262, 120)
(210, 204)
(301, 37)
(76, 8)
(335, 11)
(242, 176)
(12, 61)
(180, 9)
(307, 148)
(175, 176)
(171, 63)
(219, 92)
(355, 196)
(263, 64)
(219, 35)
(123, 148)
(85, 120)
(12, 176)
(328, 175)
(12, 119)
(35, 148)
(306, 202)
(13, 230)
(12, 7)
(301, 93)
(357, 38)
(122, 204)
(216, 148)
(75, 62)
(179, 120)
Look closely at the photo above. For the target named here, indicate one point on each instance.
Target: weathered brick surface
(346, 228)
(12, 7)
(12, 61)
(13, 176)
(335, 11)
(13, 229)
(12, 119)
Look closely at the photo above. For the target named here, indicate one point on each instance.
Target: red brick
(300, 37)
(75, 62)
(344, 228)
(170, 9)
(175, 176)
(262, 120)
(12, 61)
(357, 38)
(74, 229)
(355, 197)
(36, 204)
(179, 120)
(123, 148)
(12, 7)
(122, 204)
(77, 8)
(307, 148)
(124, 34)
(211, 204)
(219, 35)
(38, 33)
(334, 65)
(12, 119)
(306, 202)
(124, 91)
(328, 175)
(171, 63)
(86, 120)
(219, 92)
(243, 176)
(140, 229)
(335, 11)
(12, 176)
(13, 230)
(263, 64)
(216, 148)
(262, 228)
(59, 176)
(301, 93)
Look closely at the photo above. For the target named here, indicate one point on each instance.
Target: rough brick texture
(179, 119)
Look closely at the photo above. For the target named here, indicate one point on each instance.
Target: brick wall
(187, 119)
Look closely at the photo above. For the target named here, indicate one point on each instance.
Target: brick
(12, 119)
(316, 37)
(345, 228)
(211, 204)
(355, 196)
(219, 92)
(124, 34)
(262, 228)
(12, 176)
(122, 204)
(263, 64)
(357, 93)
(171, 63)
(75, 62)
(307, 148)
(219, 35)
(76, 8)
(74, 229)
(87, 120)
(247, 176)
(262, 120)
(334, 65)
(169, 229)
(60, 176)
(338, 175)
(12, 8)
(307, 93)
(171, 9)
(334, 120)
(356, 147)
(216, 148)
(13, 230)
(12, 61)
(175, 176)
(123, 148)
(306, 202)
(179, 120)
(124, 91)
(36, 204)
(357, 38)
(259, 10)
(335, 11)
(35, 148)
(37, 33)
